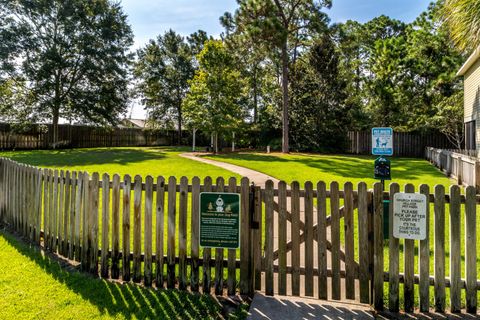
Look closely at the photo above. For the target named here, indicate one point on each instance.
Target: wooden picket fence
(291, 237)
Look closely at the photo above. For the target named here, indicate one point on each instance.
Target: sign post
(382, 146)
(219, 220)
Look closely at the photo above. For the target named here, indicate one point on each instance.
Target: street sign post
(382, 141)
(219, 220)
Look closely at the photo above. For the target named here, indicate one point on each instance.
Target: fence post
(477, 174)
(378, 246)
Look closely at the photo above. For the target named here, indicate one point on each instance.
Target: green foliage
(163, 69)
(214, 102)
(463, 20)
(68, 58)
(319, 116)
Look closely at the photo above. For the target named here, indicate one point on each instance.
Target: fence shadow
(115, 299)
(277, 308)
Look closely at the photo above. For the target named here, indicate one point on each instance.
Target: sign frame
(382, 136)
(238, 220)
(415, 215)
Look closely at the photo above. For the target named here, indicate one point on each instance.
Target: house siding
(472, 97)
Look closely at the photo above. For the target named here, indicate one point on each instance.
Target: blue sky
(150, 18)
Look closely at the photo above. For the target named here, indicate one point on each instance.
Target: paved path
(293, 308)
(256, 177)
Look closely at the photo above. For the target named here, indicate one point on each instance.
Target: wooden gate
(314, 238)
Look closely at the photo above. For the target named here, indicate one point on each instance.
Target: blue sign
(382, 141)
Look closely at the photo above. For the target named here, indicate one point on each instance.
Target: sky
(149, 18)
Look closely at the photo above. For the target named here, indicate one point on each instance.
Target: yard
(167, 162)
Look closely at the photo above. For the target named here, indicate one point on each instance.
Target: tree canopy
(67, 58)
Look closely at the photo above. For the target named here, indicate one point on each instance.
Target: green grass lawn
(161, 161)
(340, 168)
(34, 286)
(299, 167)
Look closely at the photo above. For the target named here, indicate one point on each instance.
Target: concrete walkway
(256, 177)
(293, 308)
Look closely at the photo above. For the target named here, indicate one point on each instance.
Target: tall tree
(70, 55)
(163, 69)
(319, 113)
(214, 102)
(283, 25)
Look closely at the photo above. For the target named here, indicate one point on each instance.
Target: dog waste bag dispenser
(382, 169)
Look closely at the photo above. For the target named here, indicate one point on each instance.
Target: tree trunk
(285, 145)
(180, 126)
(255, 98)
(56, 115)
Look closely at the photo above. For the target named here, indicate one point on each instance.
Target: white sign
(382, 141)
(410, 216)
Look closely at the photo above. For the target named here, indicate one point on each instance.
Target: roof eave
(469, 63)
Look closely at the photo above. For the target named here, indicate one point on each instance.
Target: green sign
(220, 220)
(382, 169)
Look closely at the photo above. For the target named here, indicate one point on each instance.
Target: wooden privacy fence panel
(40, 136)
(405, 144)
(462, 165)
(300, 240)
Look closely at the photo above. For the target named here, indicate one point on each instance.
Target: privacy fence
(294, 240)
(462, 165)
(405, 144)
(40, 136)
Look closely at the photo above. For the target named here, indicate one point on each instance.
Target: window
(470, 130)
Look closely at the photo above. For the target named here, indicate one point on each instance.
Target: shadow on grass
(85, 157)
(345, 166)
(116, 299)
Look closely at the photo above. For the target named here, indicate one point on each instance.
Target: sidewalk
(293, 308)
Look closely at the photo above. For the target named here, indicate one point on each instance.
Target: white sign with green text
(410, 216)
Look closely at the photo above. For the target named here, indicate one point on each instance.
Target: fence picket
(148, 277)
(105, 223)
(137, 229)
(295, 235)
(232, 253)
(409, 267)
(393, 260)
(195, 266)
(349, 242)
(61, 203)
(115, 226)
(269, 236)
(424, 260)
(245, 245)
(470, 249)
(85, 214)
(159, 232)
(220, 183)
(72, 217)
(182, 236)
(282, 238)
(93, 225)
(322, 240)
(207, 252)
(172, 195)
(335, 234)
(66, 214)
(455, 273)
(364, 276)
(378, 246)
(78, 215)
(439, 249)
(126, 228)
